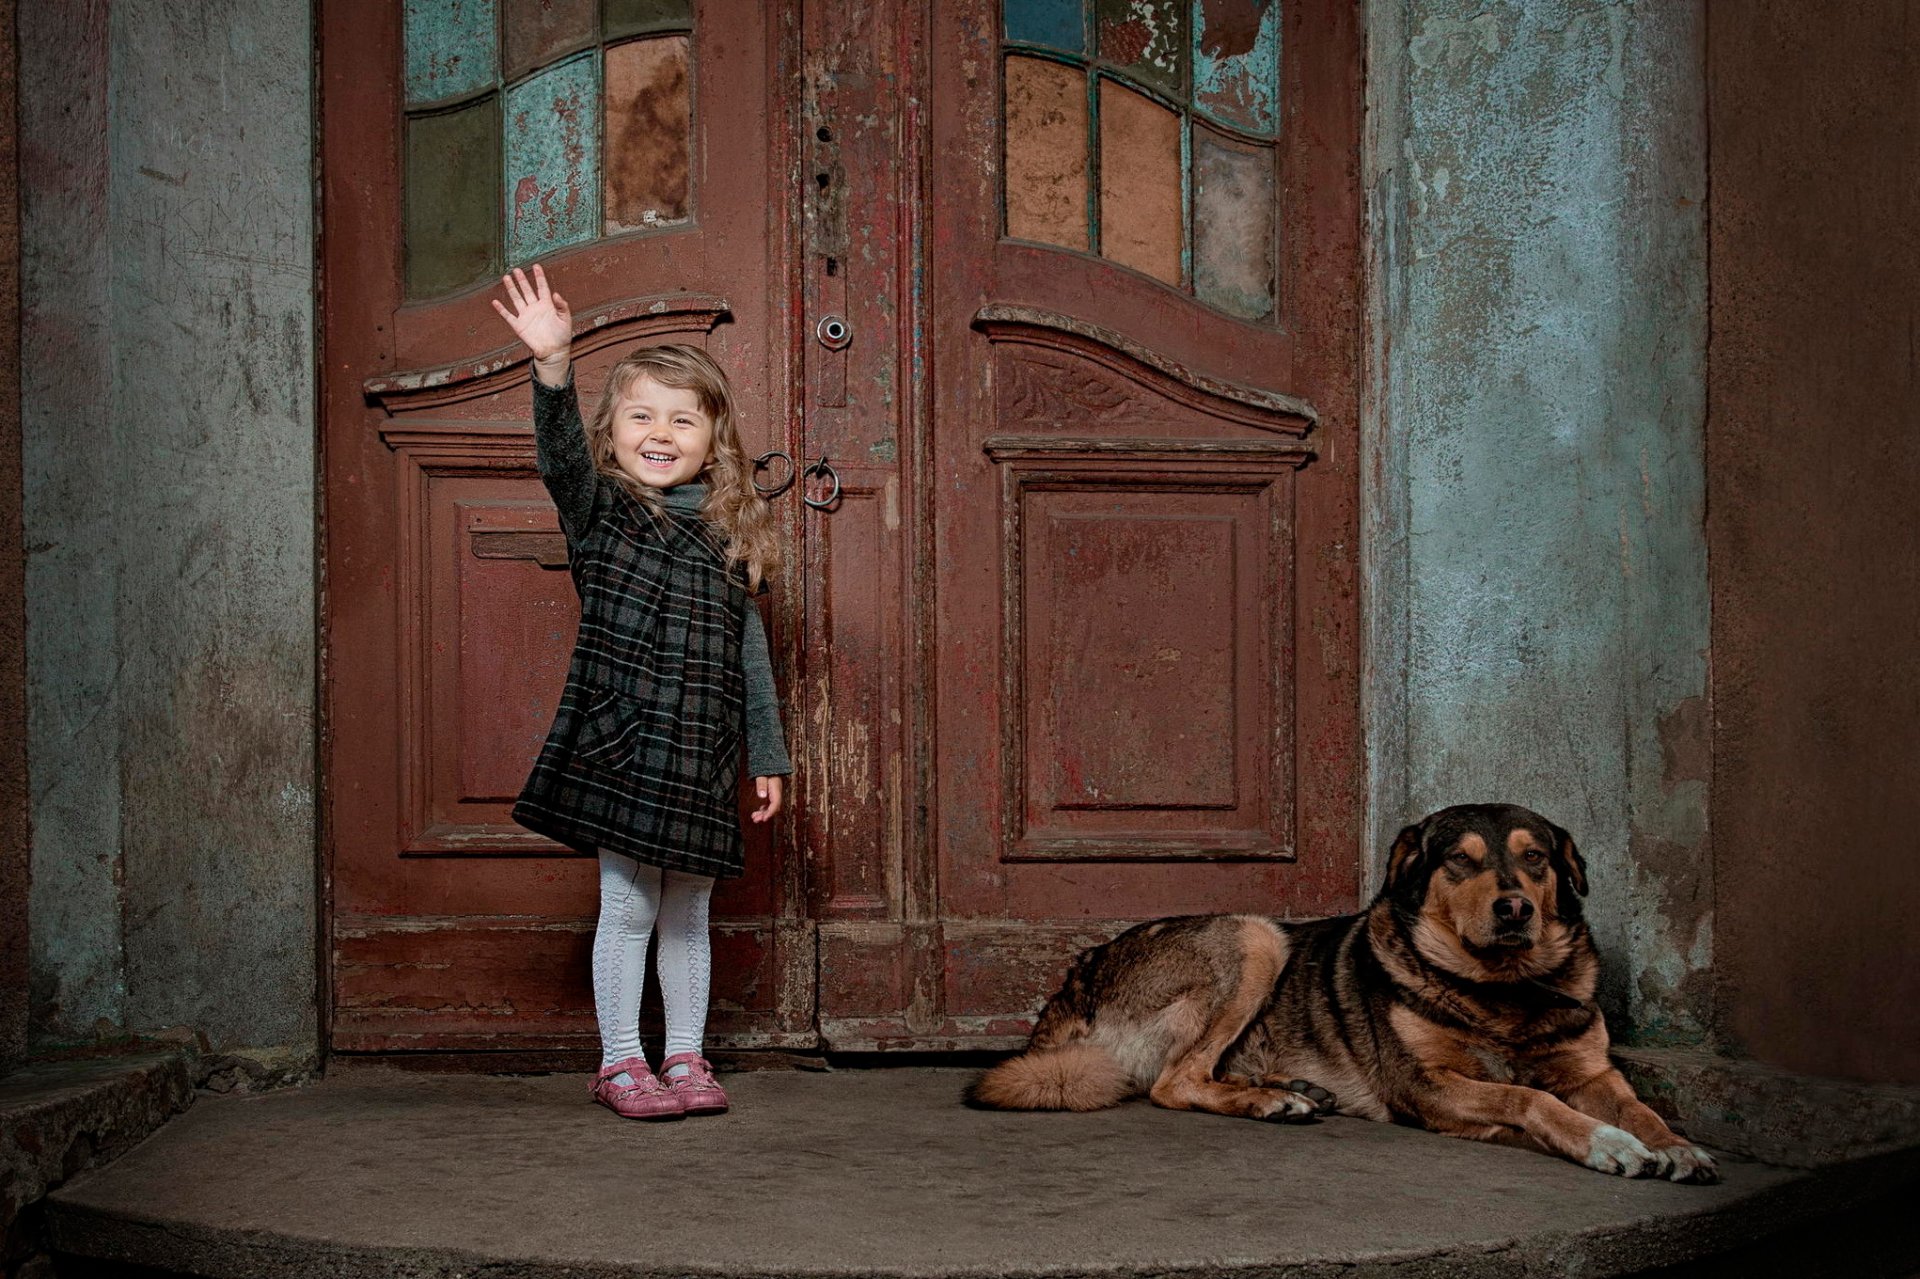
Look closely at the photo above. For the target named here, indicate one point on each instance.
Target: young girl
(666, 538)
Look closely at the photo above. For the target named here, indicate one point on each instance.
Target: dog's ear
(1567, 861)
(1402, 861)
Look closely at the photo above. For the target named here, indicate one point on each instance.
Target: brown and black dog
(1460, 1001)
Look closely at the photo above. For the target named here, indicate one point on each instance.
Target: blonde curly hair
(733, 509)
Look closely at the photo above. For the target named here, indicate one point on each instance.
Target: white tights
(633, 896)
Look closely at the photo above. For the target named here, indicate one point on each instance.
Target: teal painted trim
(1186, 202)
(1093, 162)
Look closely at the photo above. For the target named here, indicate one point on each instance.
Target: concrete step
(59, 1118)
(877, 1173)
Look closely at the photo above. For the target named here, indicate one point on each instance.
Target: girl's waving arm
(542, 319)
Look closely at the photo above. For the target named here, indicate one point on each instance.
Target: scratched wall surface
(15, 868)
(170, 491)
(1538, 607)
(68, 441)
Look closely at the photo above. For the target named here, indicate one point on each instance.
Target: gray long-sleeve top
(560, 441)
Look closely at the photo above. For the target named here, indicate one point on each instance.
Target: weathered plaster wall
(1814, 484)
(72, 458)
(171, 505)
(15, 864)
(1535, 551)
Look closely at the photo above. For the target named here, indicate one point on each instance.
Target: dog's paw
(1619, 1152)
(1323, 1101)
(1282, 1106)
(1690, 1164)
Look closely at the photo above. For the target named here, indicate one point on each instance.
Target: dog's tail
(1070, 1076)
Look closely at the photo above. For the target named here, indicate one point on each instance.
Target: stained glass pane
(1140, 182)
(1233, 223)
(1236, 62)
(649, 117)
(1060, 23)
(535, 32)
(1046, 152)
(637, 17)
(450, 49)
(553, 159)
(1147, 39)
(453, 185)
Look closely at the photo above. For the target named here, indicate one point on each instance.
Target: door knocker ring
(825, 471)
(771, 491)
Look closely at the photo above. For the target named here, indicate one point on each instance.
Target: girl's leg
(629, 903)
(686, 961)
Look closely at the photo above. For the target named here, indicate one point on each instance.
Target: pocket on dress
(724, 768)
(609, 726)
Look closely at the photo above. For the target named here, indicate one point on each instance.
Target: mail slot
(548, 550)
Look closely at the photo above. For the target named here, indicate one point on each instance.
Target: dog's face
(1494, 888)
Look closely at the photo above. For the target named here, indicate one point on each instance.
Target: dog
(1460, 1001)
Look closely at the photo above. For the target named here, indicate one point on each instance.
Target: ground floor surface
(872, 1173)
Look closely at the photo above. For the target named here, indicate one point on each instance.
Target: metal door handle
(772, 491)
(824, 470)
(821, 470)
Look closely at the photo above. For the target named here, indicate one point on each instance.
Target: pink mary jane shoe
(696, 1091)
(645, 1098)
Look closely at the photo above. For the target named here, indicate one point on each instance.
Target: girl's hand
(540, 318)
(769, 789)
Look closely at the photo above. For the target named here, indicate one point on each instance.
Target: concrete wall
(1815, 533)
(170, 495)
(1534, 551)
(15, 861)
(71, 497)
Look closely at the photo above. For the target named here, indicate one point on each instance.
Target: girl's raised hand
(540, 317)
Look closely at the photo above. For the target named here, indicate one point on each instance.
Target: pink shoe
(645, 1098)
(696, 1091)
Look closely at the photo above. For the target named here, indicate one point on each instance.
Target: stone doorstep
(61, 1118)
(875, 1174)
(1772, 1115)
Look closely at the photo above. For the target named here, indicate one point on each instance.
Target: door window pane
(1046, 162)
(638, 17)
(452, 198)
(580, 133)
(1176, 108)
(450, 49)
(535, 32)
(1146, 40)
(1140, 222)
(1236, 62)
(649, 124)
(1060, 23)
(1233, 217)
(553, 160)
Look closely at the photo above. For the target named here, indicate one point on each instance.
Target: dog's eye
(1534, 856)
(1458, 858)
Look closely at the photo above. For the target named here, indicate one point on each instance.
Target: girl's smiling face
(661, 435)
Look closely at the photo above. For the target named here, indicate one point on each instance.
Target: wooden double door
(1075, 644)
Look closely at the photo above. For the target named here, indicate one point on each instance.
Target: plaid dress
(644, 754)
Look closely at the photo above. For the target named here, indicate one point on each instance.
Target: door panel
(1143, 506)
(1074, 645)
(450, 615)
(862, 701)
